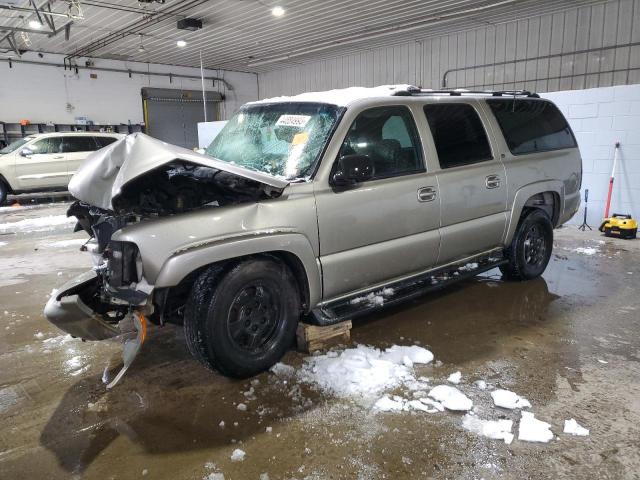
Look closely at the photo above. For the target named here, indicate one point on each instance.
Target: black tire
(4, 191)
(242, 320)
(530, 249)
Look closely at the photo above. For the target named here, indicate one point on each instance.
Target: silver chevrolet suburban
(317, 207)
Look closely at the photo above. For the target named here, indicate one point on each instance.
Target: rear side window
(531, 126)
(78, 144)
(458, 134)
(104, 141)
(389, 137)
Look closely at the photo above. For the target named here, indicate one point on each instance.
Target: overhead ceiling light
(181, 43)
(277, 11)
(35, 24)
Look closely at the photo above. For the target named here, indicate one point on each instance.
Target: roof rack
(411, 91)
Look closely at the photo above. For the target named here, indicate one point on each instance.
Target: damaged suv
(321, 207)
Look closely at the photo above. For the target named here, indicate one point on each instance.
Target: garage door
(173, 115)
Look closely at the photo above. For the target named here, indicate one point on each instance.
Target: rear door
(76, 148)
(386, 227)
(472, 182)
(43, 167)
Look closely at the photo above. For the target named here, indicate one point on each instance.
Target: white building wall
(601, 117)
(611, 28)
(41, 93)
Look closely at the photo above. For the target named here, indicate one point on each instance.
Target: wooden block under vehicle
(313, 337)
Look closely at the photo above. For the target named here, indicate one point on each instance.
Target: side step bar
(394, 293)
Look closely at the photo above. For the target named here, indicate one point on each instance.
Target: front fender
(521, 197)
(186, 260)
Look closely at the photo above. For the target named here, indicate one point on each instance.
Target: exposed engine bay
(174, 188)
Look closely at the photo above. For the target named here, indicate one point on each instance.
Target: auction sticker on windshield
(293, 120)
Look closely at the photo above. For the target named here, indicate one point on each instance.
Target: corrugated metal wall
(610, 32)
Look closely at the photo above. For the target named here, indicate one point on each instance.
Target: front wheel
(4, 191)
(530, 249)
(242, 321)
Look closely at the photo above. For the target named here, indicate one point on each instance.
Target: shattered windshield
(281, 139)
(15, 145)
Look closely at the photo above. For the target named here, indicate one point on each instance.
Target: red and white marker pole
(613, 171)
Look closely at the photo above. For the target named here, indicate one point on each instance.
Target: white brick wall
(600, 117)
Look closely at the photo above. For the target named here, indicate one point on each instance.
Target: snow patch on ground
(363, 372)
(574, 428)
(451, 398)
(533, 430)
(586, 250)
(39, 224)
(481, 384)
(497, 429)
(455, 378)
(67, 243)
(510, 400)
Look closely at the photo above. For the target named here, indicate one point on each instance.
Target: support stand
(585, 225)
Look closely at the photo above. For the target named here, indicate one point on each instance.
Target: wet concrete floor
(568, 342)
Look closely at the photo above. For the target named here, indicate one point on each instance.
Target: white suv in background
(46, 161)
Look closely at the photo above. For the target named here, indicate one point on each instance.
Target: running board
(397, 292)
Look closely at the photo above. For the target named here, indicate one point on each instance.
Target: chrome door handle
(492, 181)
(426, 194)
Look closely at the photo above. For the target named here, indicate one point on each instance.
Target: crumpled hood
(105, 172)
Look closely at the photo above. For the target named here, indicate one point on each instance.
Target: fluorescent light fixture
(35, 24)
(181, 43)
(277, 11)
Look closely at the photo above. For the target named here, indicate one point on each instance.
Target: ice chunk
(468, 267)
(533, 430)
(497, 429)
(397, 354)
(386, 404)
(437, 406)
(574, 428)
(451, 398)
(242, 407)
(507, 399)
(214, 476)
(221, 424)
(238, 455)
(38, 335)
(455, 377)
(282, 370)
(481, 384)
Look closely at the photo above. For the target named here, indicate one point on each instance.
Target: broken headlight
(124, 265)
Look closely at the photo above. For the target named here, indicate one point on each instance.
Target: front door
(41, 164)
(387, 227)
(473, 190)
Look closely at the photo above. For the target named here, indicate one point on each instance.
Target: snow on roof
(341, 97)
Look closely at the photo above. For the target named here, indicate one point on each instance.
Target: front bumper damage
(69, 310)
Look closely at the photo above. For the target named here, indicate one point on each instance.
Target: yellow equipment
(622, 226)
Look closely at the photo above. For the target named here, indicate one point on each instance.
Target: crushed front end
(93, 305)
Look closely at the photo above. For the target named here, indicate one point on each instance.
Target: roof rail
(411, 91)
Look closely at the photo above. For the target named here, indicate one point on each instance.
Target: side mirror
(353, 169)
(25, 152)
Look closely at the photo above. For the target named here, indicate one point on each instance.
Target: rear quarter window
(531, 126)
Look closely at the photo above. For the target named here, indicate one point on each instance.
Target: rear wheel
(530, 249)
(242, 321)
